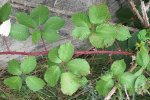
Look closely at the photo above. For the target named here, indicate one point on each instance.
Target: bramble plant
(71, 73)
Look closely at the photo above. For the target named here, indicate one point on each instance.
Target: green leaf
(19, 32)
(104, 86)
(14, 67)
(139, 84)
(148, 66)
(83, 81)
(54, 23)
(14, 82)
(5, 11)
(118, 67)
(36, 36)
(127, 80)
(81, 33)
(142, 35)
(34, 83)
(53, 55)
(40, 14)
(142, 57)
(79, 67)
(97, 41)
(104, 37)
(122, 33)
(80, 20)
(69, 83)
(52, 75)
(99, 14)
(107, 76)
(66, 52)
(25, 19)
(50, 35)
(28, 65)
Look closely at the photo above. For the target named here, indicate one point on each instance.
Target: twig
(20, 6)
(111, 93)
(126, 93)
(144, 13)
(136, 12)
(147, 6)
(133, 67)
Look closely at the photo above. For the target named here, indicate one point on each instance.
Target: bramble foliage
(71, 73)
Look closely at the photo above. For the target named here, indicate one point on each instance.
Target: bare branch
(108, 97)
(126, 93)
(147, 6)
(144, 13)
(136, 12)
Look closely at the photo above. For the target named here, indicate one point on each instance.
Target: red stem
(76, 53)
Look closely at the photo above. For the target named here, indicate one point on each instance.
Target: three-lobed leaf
(13, 82)
(79, 67)
(40, 14)
(52, 75)
(54, 23)
(99, 14)
(19, 32)
(28, 65)
(25, 19)
(118, 67)
(34, 83)
(66, 52)
(5, 11)
(69, 83)
(14, 67)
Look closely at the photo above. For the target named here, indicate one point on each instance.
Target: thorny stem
(76, 53)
